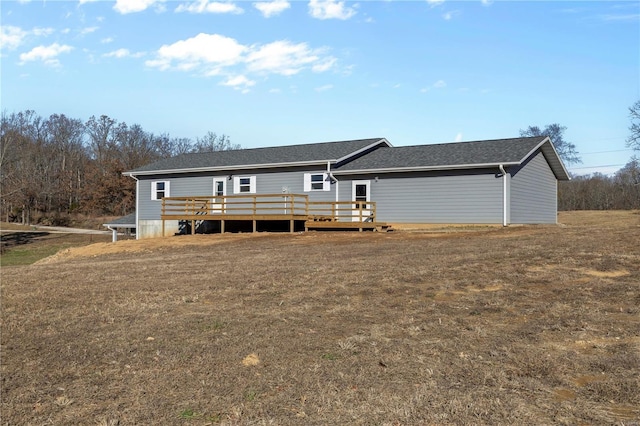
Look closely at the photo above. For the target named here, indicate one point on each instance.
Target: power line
(596, 167)
(605, 152)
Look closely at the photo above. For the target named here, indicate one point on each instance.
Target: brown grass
(523, 325)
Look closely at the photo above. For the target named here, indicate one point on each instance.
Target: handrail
(282, 205)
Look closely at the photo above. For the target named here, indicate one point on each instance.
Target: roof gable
(259, 157)
(456, 156)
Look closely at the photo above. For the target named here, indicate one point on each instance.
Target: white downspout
(114, 234)
(137, 206)
(504, 195)
(334, 179)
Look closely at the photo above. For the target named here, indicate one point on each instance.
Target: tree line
(56, 166)
(620, 191)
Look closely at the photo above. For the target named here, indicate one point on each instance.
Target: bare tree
(566, 150)
(212, 142)
(101, 136)
(633, 141)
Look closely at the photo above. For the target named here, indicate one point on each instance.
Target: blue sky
(284, 72)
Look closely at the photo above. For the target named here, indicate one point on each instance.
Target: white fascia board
(354, 153)
(228, 168)
(546, 140)
(424, 169)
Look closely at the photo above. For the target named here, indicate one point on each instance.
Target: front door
(361, 195)
(219, 191)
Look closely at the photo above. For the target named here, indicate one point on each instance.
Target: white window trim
(236, 184)
(154, 189)
(308, 184)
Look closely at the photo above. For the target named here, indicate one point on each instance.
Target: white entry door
(361, 195)
(219, 191)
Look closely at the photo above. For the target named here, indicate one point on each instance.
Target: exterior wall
(434, 197)
(534, 192)
(153, 228)
(267, 182)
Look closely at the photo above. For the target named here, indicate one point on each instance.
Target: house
(503, 181)
(126, 223)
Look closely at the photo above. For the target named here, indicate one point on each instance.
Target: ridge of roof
(258, 157)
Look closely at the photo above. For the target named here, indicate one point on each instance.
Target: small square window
(245, 185)
(316, 182)
(159, 190)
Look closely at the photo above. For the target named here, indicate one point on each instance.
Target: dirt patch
(329, 328)
(606, 274)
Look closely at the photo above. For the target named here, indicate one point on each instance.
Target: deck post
(254, 225)
(163, 227)
(291, 225)
(222, 226)
(193, 227)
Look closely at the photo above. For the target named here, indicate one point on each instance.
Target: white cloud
(211, 55)
(459, 137)
(11, 37)
(107, 40)
(434, 3)
(87, 1)
(486, 2)
(88, 30)
(202, 50)
(437, 85)
(47, 54)
(207, 6)
(133, 6)
(123, 53)
(633, 17)
(282, 57)
(120, 53)
(275, 91)
(449, 15)
(330, 9)
(272, 8)
(324, 64)
(239, 81)
(324, 88)
(42, 32)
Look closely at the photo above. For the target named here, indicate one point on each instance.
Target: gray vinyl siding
(267, 182)
(534, 193)
(454, 197)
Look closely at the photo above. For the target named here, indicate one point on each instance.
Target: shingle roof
(447, 154)
(452, 155)
(319, 152)
(128, 221)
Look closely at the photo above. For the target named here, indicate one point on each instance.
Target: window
(244, 184)
(316, 182)
(159, 189)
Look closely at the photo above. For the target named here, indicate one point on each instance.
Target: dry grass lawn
(521, 325)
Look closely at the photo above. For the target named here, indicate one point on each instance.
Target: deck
(292, 208)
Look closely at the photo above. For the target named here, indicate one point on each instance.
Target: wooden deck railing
(266, 207)
(271, 207)
(244, 206)
(342, 211)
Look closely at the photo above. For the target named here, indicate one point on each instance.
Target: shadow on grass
(18, 238)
